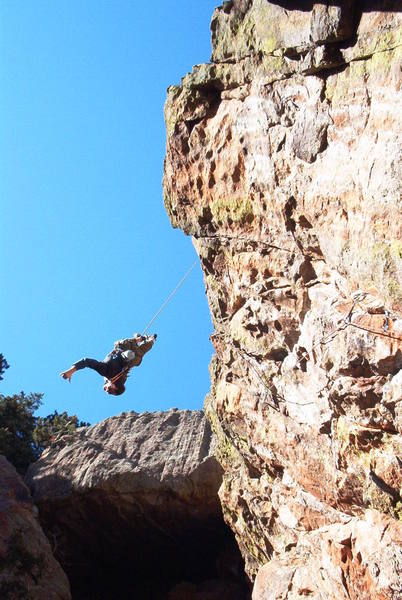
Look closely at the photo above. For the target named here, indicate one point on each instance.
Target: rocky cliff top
(170, 450)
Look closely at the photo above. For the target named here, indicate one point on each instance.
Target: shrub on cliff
(17, 425)
(47, 428)
(23, 436)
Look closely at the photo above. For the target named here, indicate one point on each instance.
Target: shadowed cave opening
(128, 549)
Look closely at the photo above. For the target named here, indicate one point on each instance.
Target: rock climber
(126, 353)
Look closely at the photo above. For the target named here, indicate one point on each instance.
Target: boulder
(132, 504)
(28, 569)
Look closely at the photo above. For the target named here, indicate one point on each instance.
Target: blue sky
(88, 254)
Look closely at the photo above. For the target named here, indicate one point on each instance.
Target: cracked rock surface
(283, 162)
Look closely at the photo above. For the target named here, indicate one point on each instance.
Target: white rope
(168, 299)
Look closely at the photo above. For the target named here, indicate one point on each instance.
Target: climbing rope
(275, 395)
(392, 337)
(168, 299)
(244, 239)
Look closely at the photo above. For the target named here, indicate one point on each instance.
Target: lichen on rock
(286, 170)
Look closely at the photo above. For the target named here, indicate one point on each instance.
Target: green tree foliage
(3, 366)
(24, 436)
(17, 424)
(47, 428)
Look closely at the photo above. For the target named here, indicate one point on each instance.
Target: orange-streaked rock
(283, 161)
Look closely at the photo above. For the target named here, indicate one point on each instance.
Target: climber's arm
(128, 343)
(146, 344)
(135, 342)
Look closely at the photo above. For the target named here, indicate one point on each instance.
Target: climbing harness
(119, 375)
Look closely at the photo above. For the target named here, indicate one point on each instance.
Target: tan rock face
(27, 566)
(132, 505)
(349, 561)
(283, 162)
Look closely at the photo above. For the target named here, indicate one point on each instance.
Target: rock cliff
(132, 510)
(283, 162)
(28, 569)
